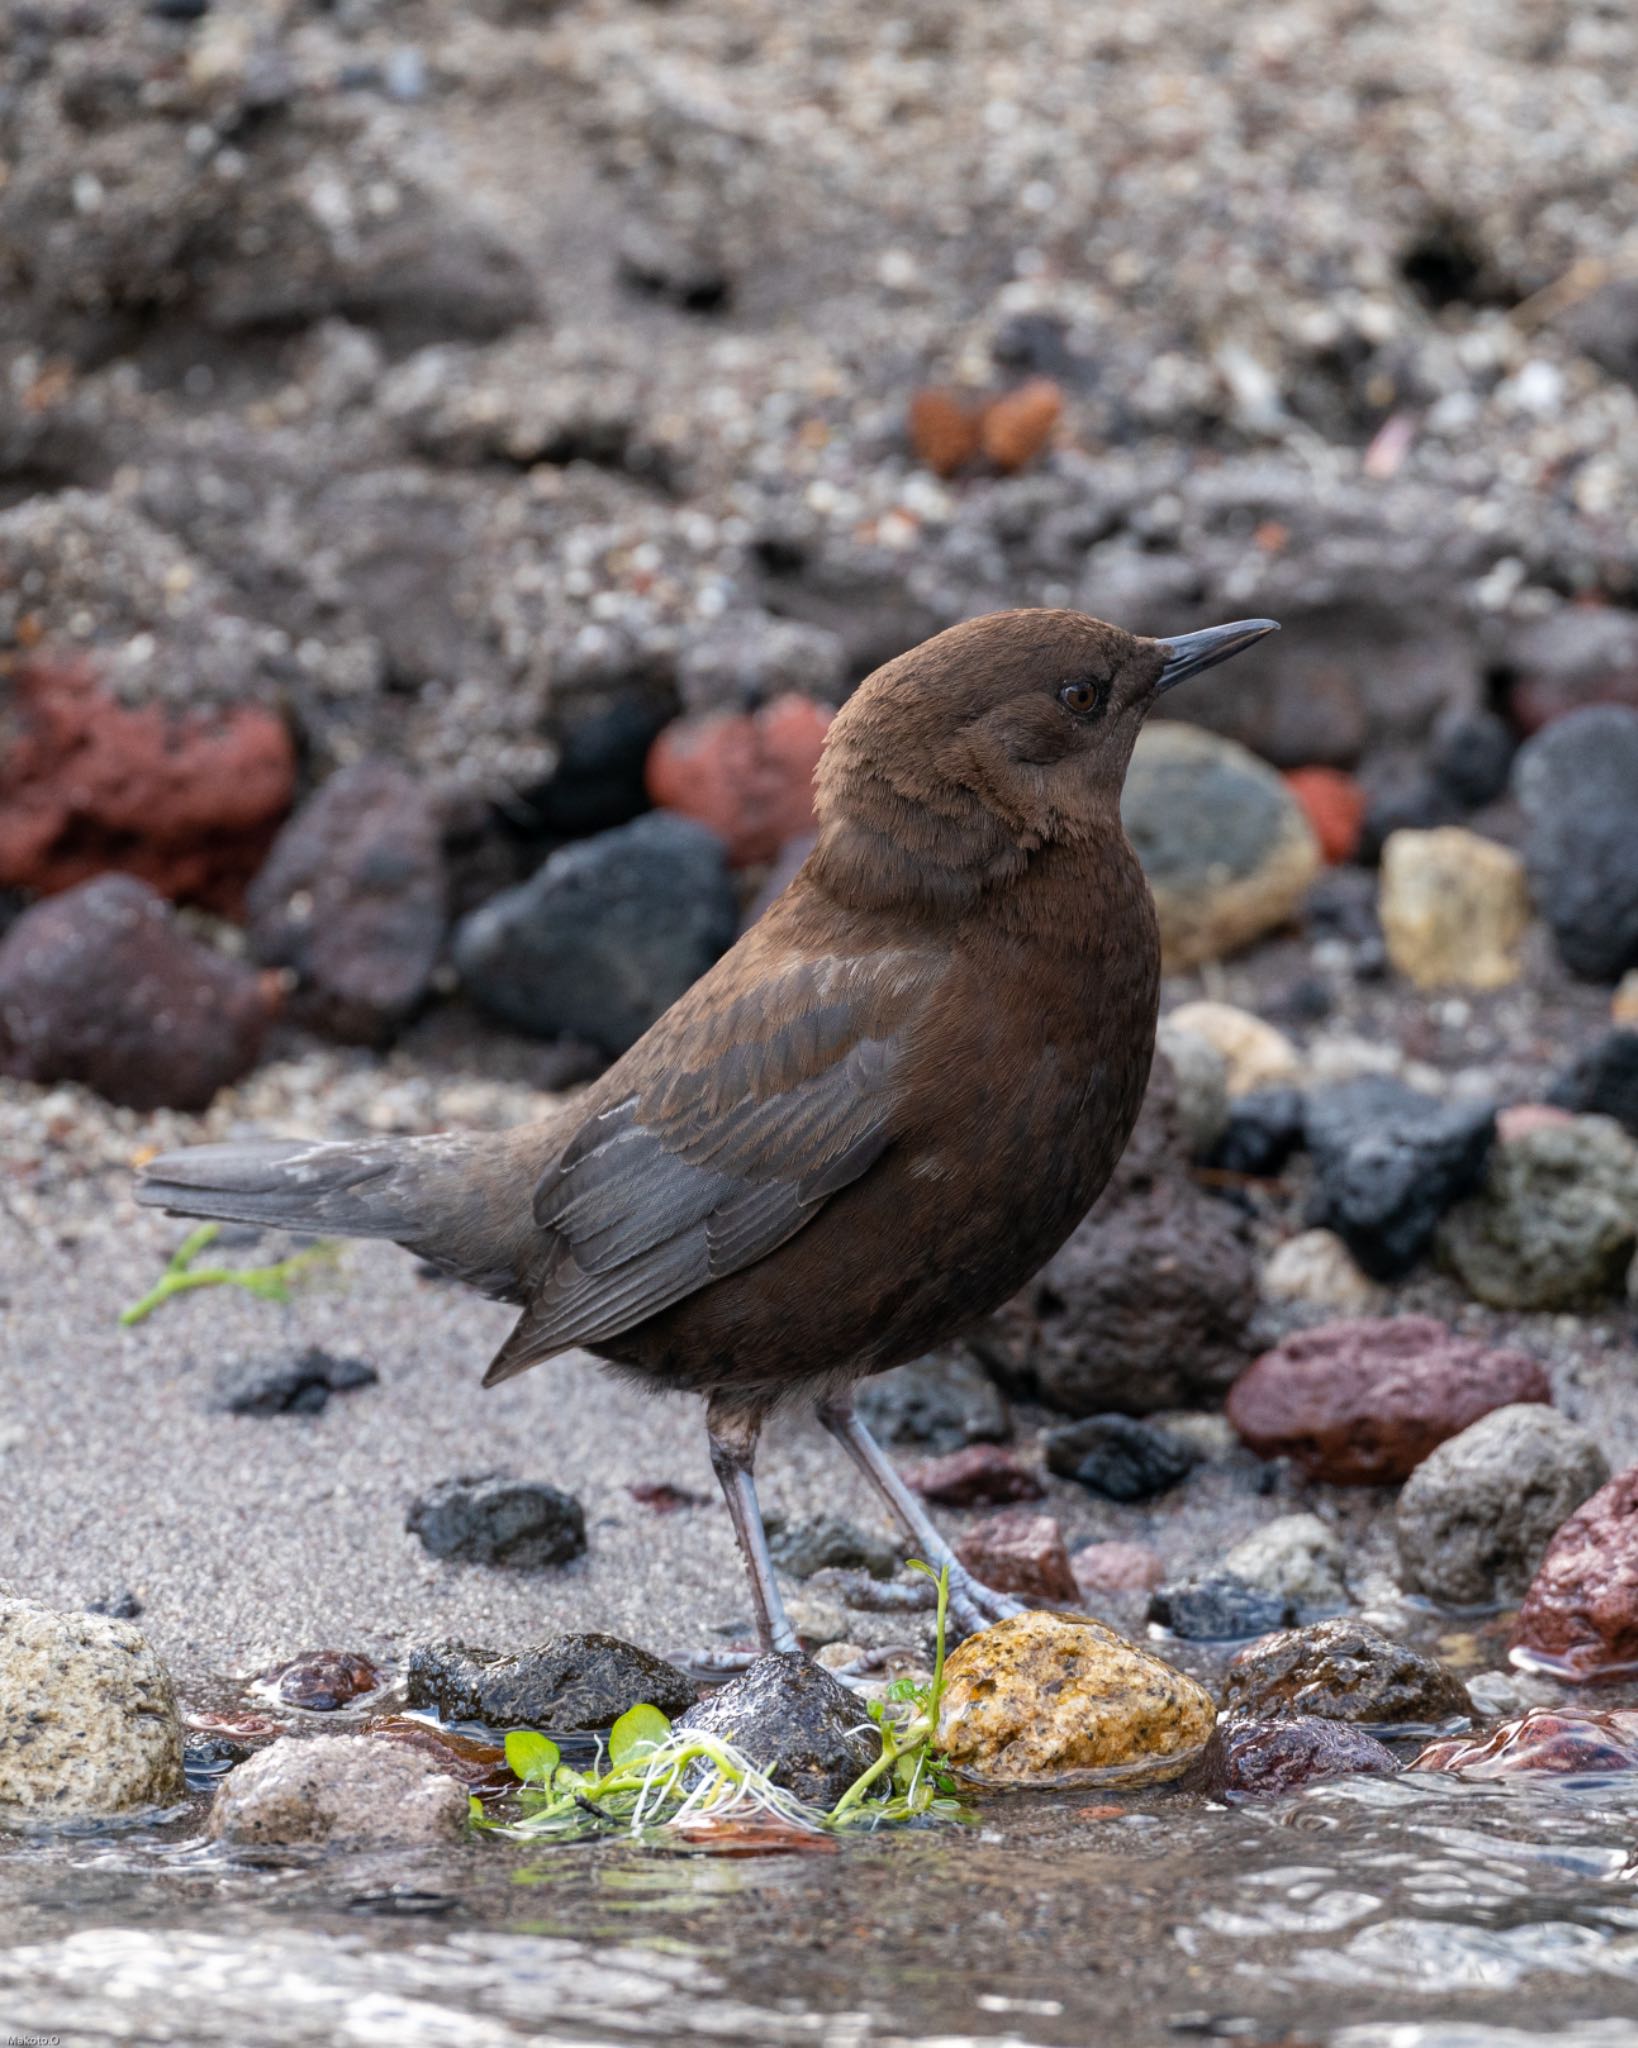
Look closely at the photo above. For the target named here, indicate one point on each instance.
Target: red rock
(945, 428)
(1334, 805)
(1520, 1118)
(1544, 1739)
(321, 1680)
(1260, 1759)
(1020, 1553)
(1117, 1568)
(1580, 1616)
(480, 1766)
(663, 1497)
(1017, 427)
(749, 776)
(103, 987)
(979, 1476)
(187, 800)
(1362, 1402)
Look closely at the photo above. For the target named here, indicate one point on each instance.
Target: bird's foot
(975, 1607)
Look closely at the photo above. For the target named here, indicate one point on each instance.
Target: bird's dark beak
(1189, 653)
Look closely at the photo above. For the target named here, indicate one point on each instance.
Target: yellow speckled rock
(1454, 908)
(1050, 1699)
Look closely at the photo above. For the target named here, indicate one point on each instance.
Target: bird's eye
(1082, 696)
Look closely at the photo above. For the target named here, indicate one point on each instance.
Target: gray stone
(88, 1720)
(1476, 1515)
(342, 1789)
(1388, 1163)
(944, 1401)
(1297, 1557)
(569, 1683)
(606, 935)
(1578, 783)
(301, 1385)
(1201, 1072)
(823, 1542)
(1344, 1671)
(794, 1720)
(1218, 1607)
(1556, 1221)
(1227, 848)
(521, 1523)
(353, 899)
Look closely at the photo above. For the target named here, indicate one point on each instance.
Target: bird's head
(1002, 735)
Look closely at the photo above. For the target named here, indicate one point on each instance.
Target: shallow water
(1409, 1913)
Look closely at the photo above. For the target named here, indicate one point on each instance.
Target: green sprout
(656, 1777)
(271, 1283)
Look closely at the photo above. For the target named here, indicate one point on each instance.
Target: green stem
(270, 1283)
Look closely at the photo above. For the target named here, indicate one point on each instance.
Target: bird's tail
(460, 1201)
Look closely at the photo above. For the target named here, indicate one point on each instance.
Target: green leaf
(636, 1734)
(531, 1757)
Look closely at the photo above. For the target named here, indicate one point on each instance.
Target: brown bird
(871, 1121)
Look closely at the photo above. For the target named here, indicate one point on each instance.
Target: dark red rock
(1117, 1568)
(354, 900)
(1580, 1616)
(187, 800)
(1262, 1759)
(1343, 1670)
(1362, 1402)
(981, 1476)
(1544, 1739)
(322, 1680)
(1020, 1553)
(663, 1497)
(102, 986)
(748, 775)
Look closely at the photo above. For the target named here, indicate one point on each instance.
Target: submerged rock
(944, 1401)
(1227, 848)
(1475, 1516)
(1045, 1699)
(1555, 1224)
(1017, 1552)
(1455, 908)
(1344, 1671)
(1219, 1607)
(1543, 1739)
(1363, 1402)
(1580, 1616)
(322, 1680)
(1119, 1456)
(337, 1788)
(88, 1720)
(567, 1683)
(520, 1523)
(806, 1730)
(1247, 1759)
(1388, 1163)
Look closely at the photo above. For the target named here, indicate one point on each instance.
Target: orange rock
(1018, 427)
(749, 776)
(188, 801)
(944, 428)
(1335, 806)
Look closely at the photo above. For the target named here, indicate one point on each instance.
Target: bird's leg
(973, 1605)
(733, 1432)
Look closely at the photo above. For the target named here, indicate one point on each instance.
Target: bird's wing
(742, 1118)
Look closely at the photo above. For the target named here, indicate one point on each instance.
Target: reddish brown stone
(945, 428)
(1017, 427)
(480, 1766)
(1261, 1759)
(1020, 1553)
(1117, 1568)
(1580, 1616)
(749, 776)
(981, 1476)
(187, 800)
(101, 986)
(322, 1680)
(1363, 1402)
(1544, 1739)
(1334, 805)
(663, 1497)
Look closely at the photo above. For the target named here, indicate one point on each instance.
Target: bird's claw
(975, 1607)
